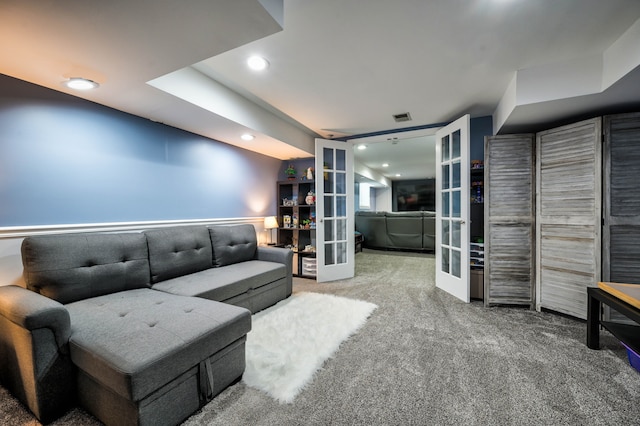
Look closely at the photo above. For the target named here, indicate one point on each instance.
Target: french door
(335, 230)
(452, 208)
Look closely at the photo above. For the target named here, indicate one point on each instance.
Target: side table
(359, 238)
(626, 333)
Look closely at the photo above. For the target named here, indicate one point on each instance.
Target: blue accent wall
(300, 164)
(66, 160)
(480, 127)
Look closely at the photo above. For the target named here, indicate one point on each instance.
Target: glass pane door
(335, 202)
(452, 208)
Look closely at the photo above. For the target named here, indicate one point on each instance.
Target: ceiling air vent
(405, 116)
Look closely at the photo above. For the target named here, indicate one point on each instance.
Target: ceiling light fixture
(385, 164)
(247, 137)
(398, 175)
(361, 147)
(257, 63)
(79, 83)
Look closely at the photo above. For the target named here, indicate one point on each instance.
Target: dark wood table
(629, 334)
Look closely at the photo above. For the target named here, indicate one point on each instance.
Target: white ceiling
(397, 156)
(337, 67)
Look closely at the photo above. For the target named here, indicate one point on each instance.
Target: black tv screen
(414, 195)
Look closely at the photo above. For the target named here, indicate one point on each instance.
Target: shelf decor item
(477, 164)
(310, 199)
(290, 172)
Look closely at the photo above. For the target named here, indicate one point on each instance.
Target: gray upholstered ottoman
(151, 358)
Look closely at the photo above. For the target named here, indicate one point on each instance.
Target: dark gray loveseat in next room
(397, 230)
(138, 328)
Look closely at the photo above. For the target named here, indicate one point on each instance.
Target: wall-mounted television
(414, 195)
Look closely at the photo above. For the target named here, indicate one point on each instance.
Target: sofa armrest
(32, 311)
(35, 365)
(275, 254)
(280, 255)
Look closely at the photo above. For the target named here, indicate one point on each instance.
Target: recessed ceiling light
(247, 137)
(361, 147)
(398, 175)
(79, 83)
(385, 165)
(257, 63)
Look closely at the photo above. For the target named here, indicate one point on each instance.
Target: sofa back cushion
(178, 251)
(73, 267)
(404, 229)
(233, 244)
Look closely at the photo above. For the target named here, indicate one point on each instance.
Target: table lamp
(270, 222)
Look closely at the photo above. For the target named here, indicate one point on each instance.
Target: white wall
(10, 261)
(383, 199)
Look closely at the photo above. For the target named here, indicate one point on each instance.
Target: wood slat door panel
(623, 254)
(509, 219)
(568, 212)
(621, 225)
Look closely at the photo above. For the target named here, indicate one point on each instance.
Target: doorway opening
(396, 174)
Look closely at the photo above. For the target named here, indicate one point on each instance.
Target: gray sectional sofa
(138, 328)
(397, 230)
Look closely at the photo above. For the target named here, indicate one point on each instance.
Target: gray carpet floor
(425, 358)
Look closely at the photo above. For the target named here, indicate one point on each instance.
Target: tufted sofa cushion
(233, 244)
(178, 251)
(136, 342)
(73, 267)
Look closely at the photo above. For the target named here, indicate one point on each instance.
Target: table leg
(593, 322)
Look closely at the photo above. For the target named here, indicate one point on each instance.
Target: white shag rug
(290, 341)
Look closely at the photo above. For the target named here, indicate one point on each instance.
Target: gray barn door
(621, 228)
(569, 215)
(509, 212)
